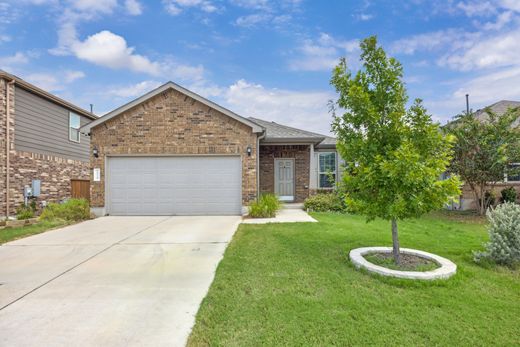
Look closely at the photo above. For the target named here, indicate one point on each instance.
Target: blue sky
(262, 58)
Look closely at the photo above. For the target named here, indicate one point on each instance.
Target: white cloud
(7, 62)
(175, 7)
(252, 4)
(133, 7)
(252, 20)
(477, 8)
(492, 87)
(45, 81)
(133, 90)
(451, 39)
(510, 4)
(483, 91)
(365, 16)
(300, 109)
(99, 6)
(494, 51)
(5, 38)
(108, 49)
(323, 53)
(71, 76)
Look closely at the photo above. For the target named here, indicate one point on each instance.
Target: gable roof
(499, 108)
(275, 132)
(45, 95)
(170, 85)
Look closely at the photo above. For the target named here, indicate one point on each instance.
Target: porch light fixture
(249, 150)
(95, 152)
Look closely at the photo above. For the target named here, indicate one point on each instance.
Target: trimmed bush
(504, 235)
(24, 212)
(265, 207)
(325, 202)
(508, 194)
(71, 210)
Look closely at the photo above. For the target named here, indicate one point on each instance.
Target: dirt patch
(408, 262)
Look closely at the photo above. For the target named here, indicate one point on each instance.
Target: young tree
(394, 156)
(484, 150)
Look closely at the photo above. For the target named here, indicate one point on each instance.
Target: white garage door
(174, 185)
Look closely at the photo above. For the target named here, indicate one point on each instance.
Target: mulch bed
(408, 262)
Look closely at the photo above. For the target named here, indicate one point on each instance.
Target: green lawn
(10, 234)
(292, 285)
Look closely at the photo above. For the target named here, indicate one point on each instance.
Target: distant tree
(394, 156)
(484, 150)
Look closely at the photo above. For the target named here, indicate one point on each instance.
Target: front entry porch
(285, 171)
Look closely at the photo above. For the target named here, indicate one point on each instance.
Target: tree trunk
(395, 241)
(483, 201)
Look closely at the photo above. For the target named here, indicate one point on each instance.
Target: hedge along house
(40, 144)
(173, 152)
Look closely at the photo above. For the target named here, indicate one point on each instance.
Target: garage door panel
(174, 185)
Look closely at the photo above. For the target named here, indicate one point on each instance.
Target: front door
(284, 179)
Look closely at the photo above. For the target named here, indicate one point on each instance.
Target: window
(74, 124)
(515, 175)
(326, 169)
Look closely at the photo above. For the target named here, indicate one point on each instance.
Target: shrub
(24, 212)
(71, 210)
(325, 202)
(265, 207)
(504, 235)
(508, 194)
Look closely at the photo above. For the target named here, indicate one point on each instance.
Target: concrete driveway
(112, 281)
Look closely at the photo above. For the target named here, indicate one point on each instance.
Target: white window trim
(335, 169)
(506, 178)
(70, 127)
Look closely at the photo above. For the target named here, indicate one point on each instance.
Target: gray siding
(43, 127)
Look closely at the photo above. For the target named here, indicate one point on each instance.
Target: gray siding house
(40, 143)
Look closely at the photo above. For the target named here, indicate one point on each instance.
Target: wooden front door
(284, 179)
(80, 189)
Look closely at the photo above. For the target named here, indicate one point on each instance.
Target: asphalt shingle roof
(275, 131)
(499, 108)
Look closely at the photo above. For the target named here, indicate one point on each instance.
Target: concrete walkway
(112, 281)
(285, 215)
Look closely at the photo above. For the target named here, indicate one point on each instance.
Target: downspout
(258, 163)
(7, 144)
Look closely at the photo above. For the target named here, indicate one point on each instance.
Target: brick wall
(173, 123)
(469, 196)
(55, 173)
(301, 156)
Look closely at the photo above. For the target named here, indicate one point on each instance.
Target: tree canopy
(394, 155)
(484, 149)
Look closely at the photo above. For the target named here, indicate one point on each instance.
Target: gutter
(7, 143)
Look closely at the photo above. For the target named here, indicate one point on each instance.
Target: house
(173, 152)
(40, 145)
(467, 200)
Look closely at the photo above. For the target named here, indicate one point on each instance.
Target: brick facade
(469, 197)
(172, 123)
(55, 173)
(301, 156)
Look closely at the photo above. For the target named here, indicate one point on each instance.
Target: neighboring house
(468, 198)
(173, 152)
(40, 140)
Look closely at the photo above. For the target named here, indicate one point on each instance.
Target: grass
(14, 233)
(292, 285)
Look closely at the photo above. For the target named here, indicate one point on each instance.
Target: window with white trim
(74, 125)
(515, 177)
(326, 170)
